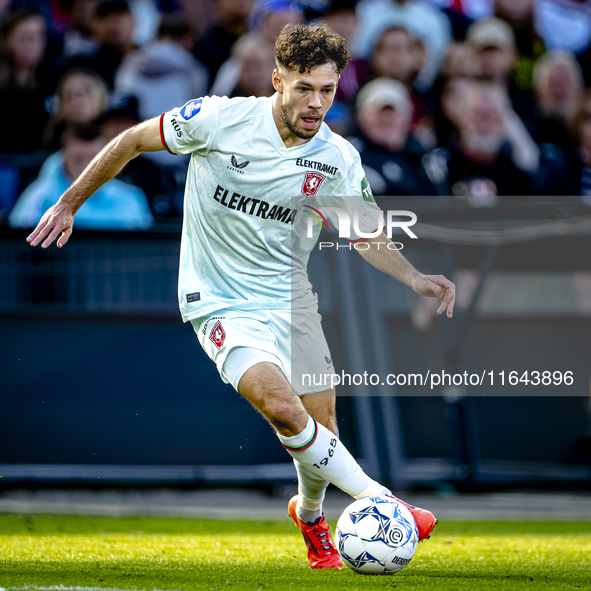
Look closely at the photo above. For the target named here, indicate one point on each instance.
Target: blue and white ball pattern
(376, 536)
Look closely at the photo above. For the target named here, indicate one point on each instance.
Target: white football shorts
(293, 340)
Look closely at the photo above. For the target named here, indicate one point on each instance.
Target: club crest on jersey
(218, 335)
(311, 184)
(191, 109)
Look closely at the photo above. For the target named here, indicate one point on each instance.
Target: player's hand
(437, 286)
(58, 218)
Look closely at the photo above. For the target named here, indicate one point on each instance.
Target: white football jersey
(244, 188)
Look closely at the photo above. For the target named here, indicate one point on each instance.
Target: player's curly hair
(303, 47)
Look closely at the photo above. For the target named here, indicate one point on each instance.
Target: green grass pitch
(187, 554)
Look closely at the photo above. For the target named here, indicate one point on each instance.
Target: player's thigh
(265, 386)
(303, 348)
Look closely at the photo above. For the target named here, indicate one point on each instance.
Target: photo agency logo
(400, 219)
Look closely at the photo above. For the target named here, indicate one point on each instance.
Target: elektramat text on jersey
(319, 166)
(264, 210)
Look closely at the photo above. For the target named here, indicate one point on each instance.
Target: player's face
(306, 98)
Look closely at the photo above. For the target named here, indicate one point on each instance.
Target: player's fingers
(447, 299)
(435, 289)
(451, 301)
(448, 295)
(54, 234)
(38, 233)
(442, 281)
(64, 237)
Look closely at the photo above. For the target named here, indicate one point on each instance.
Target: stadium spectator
(559, 89)
(390, 155)
(422, 19)
(570, 175)
(79, 38)
(147, 17)
(24, 83)
(268, 17)
(339, 15)
(164, 72)
(450, 110)
(460, 65)
(113, 26)
(122, 112)
(115, 206)
(213, 48)
(4, 8)
(392, 57)
(581, 162)
(519, 15)
(479, 164)
(457, 13)
(248, 71)
(398, 55)
(460, 61)
(80, 98)
(494, 43)
(565, 24)
(157, 182)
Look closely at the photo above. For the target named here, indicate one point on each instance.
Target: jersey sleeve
(192, 127)
(358, 197)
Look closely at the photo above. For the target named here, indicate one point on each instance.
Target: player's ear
(277, 82)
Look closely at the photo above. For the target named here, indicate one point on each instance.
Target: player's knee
(288, 418)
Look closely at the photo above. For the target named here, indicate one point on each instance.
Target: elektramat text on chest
(255, 207)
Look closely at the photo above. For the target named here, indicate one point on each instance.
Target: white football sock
(311, 489)
(323, 454)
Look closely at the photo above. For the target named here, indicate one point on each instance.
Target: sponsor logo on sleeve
(311, 184)
(366, 190)
(191, 109)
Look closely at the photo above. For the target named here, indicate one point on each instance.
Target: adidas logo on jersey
(238, 167)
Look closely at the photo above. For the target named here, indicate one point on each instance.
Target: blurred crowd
(473, 99)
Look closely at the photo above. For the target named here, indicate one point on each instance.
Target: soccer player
(242, 280)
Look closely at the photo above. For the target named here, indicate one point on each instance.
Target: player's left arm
(393, 263)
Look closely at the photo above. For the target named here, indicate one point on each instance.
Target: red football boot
(322, 553)
(425, 520)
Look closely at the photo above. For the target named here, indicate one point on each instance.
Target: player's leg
(314, 447)
(267, 388)
(311, 486)
(306, 440)
(322, 408)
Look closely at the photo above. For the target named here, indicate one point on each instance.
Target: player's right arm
(144, 137)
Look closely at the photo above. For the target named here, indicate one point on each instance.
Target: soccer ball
(376, 536)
